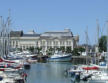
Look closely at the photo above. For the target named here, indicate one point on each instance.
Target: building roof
(57, 34)
(31, 32)
(31, 35)
(21, 34)
(16, 33)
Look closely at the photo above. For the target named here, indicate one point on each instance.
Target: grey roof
(16, 33)
(56, 37)
(60, 37)
(21, 34)
(53, 34)
(57, 34)
(31, 35)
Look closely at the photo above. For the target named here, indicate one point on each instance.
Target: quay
(81, 59)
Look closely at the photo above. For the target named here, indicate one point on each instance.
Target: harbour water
(48, 73)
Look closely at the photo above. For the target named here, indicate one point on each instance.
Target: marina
(52, 72)
(54, 65)
(58, 41)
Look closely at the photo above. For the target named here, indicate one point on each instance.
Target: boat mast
(97, 35)
(1, 45)
(107, 48)
(97, 51)
(8, 31)
(86, 33)
(4, 36)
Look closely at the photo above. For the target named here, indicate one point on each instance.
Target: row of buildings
(46, 40)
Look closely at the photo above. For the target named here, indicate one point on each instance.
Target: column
(46, 45)
(59, 43)
(52, 44)
(72, 43)
(65, 44)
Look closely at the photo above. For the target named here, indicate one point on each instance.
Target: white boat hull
(60, 59)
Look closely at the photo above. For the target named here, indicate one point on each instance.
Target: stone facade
(55, 39)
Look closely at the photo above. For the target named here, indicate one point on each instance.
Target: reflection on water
(48, 73)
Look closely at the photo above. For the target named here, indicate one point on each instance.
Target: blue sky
(55, 15)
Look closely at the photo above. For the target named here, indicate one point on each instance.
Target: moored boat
(60, 57)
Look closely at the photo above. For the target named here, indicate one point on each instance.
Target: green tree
(62, 48)
(31, 49)
(50, 51)
(75, 52)
(81, 49)
(68, 49)
(19, 49)
(103, 44)
(58, 49)
(38, 49)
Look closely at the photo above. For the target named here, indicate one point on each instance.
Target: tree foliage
(31, 49)
(38, 50)
(50, 51)
(62, 48)
(103, 44)
(77, 51)
(81, 49)
(34, 50)
(68, 50)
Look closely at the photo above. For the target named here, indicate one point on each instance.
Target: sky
(56, 15)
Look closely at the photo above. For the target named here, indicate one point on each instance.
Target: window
(16, 43)
(69, 42)
(43, 43)
(62, 43)
(13, 43)
(56, 43)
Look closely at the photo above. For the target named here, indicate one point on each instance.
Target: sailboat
(93, 73)
(101, 76)
(8, 67)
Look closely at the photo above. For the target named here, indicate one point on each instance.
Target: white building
(53, 39)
